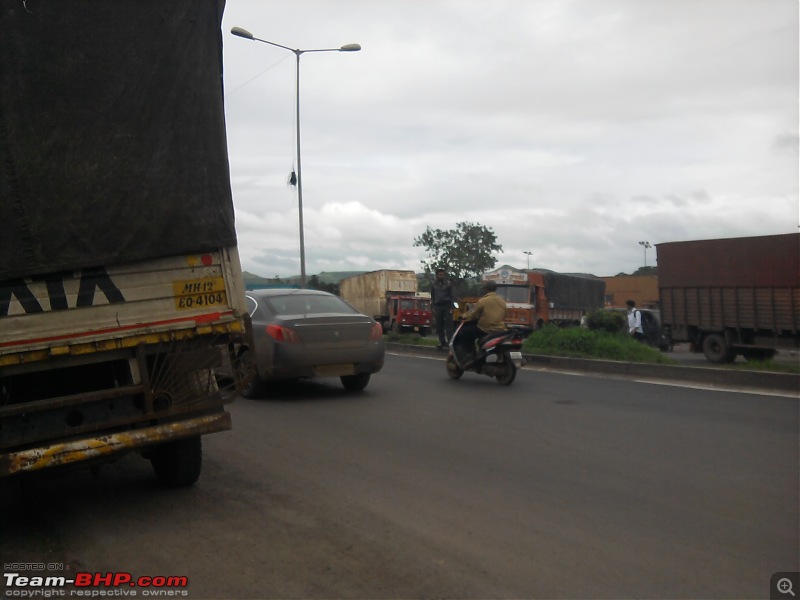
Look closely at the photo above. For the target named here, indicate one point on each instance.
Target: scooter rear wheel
(509, 371)
(453, 370)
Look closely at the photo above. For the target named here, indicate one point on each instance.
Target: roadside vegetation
(577, 342)
(602, 340)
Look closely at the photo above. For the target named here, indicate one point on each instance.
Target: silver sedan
(308, 334)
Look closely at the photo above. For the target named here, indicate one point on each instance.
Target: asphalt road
(560, 486)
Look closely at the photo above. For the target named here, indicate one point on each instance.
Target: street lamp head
(242, 33)
(350, 48)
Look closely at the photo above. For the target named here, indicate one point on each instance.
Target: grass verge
(576, 342)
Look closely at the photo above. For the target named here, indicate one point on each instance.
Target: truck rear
(121, 292)
(391, 298)
(732, 296)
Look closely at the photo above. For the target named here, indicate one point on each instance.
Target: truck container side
(732, 296)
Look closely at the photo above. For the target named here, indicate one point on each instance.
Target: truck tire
(396, 329)
(178, 463)
(717, 350)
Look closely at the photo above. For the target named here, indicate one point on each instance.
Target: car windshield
(308, 304)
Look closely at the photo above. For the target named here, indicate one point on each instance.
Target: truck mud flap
(99, 446)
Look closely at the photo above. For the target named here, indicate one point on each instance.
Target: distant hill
(332, 278)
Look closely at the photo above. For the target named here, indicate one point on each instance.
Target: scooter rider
(488, 316)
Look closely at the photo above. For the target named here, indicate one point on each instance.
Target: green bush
(577, 342)
(606, 320)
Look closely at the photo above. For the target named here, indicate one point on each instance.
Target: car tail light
(282, 334)
(376, 332)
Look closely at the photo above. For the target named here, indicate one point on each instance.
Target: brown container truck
(391, 298)
(732, 296)
(120, 286)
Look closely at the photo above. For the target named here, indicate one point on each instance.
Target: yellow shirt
(490, 312)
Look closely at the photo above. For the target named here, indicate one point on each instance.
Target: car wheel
(178, 463)
(355, 383)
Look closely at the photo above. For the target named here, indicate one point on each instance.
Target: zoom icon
(783, 586)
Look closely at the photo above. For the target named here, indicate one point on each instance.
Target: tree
(464, 252)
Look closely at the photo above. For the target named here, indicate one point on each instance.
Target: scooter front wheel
(453, 370)
(509, 371)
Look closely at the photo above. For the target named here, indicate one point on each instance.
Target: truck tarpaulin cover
(574, 291)
(112, 133)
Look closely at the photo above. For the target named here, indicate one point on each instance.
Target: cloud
(572, 128)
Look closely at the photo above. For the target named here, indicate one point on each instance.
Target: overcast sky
(574, 129)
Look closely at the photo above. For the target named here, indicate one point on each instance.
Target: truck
(121, 290)
(535, 297)
(732, 296)
(391, 298)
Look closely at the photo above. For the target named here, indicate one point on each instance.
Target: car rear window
(308, 304)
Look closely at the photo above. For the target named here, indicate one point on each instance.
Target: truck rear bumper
(99, 446)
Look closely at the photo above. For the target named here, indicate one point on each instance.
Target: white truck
(391, 298)
(121, 290)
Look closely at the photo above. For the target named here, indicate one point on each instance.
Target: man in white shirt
(635, 321)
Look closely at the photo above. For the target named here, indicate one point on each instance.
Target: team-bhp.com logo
(93, 585)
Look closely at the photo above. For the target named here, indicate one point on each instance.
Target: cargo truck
(391, 298)
(732, 296)
(120, 285)
(535, 297)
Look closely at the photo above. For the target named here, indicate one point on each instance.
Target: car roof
(272, 292)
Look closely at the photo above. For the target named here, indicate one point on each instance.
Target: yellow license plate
(195, 294)
(331, 370)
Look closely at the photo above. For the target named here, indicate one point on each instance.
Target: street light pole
(529, 258)
(243, 33)
(645, 246)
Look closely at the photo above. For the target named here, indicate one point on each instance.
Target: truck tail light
(282, 334)
(376, 332)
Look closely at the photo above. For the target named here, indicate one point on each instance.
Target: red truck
(732, 296)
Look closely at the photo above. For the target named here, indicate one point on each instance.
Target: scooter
(497, 354)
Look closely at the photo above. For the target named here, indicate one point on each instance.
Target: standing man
(442, 299)
(635, 321)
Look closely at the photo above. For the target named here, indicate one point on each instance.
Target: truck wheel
(178, 463)
(509, 372)
(355, 383)
(256, 387)
(396, 327)
(453, 370)
(716, 349)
